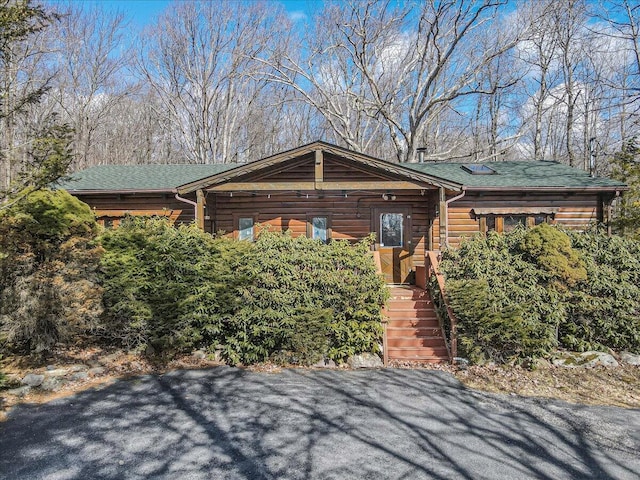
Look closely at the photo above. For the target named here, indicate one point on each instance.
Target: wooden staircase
(413, 331)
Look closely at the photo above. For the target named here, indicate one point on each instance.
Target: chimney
(421, 151)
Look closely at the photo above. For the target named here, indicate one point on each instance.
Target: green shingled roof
(519, 175)
(541, 174)
(140, 177)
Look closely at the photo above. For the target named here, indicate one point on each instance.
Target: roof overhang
(122, 192)
(599, 189)
(405, 174)
(516, 211)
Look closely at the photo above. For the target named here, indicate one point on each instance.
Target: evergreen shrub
(166, 287)
(48, 272)
(531, 291)
(280, 298)
(604, 311)
(323, 298)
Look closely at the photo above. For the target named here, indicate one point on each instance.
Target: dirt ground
(618, 387)
(592, 386)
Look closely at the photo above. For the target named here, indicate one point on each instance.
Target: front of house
(328, 192)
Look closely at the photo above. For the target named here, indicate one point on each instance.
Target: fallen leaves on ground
(619, 386)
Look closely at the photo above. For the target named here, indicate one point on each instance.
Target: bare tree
(495, 127)
(92, 58)
(199, 61)
(368, 64)
(324, 73)
(569, 17)
(23, 81)
(623, 19)
(537, 53)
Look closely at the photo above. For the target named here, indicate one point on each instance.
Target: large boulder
(52, 384)
(584, 360)
(364, 360)
(630, 358)
(33, 379)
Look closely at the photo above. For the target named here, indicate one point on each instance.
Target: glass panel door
(245, 228)
(319, 230)
(391, 229)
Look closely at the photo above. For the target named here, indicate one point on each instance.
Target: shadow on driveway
(308, 424)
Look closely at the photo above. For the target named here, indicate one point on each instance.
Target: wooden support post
(385, 342)
(442, 213)
(200, 200)
(319, 169)
(421, 277)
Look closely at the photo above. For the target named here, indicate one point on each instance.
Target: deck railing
(429, 277)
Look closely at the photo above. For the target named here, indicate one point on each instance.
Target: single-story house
(329, 192)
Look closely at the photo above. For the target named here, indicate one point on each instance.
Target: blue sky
(142, 12)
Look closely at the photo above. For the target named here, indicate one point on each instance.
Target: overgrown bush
(48, 289)
(166, 287)
(551, 251)
(280, 298)
(604, 311)
(324, 298)
(528, 292)
(494, 330)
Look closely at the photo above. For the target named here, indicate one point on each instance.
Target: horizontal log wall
(573, 211)
(350, 216)
(114, 206)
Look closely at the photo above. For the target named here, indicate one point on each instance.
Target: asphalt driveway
(303, 424)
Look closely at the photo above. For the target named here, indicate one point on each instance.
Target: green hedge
(162, 284)
(531, 291)
(305, 300)
(290, 300)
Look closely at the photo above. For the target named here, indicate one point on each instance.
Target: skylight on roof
(478, 169)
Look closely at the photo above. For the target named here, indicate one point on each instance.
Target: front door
(392, 226)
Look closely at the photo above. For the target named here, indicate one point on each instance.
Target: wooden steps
(413, 331)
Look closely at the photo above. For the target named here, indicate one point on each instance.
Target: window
(391, 229)
(478, 169)
(508, 223)
(538, 219)
(108, 222)
(319, 227)
(245, 228)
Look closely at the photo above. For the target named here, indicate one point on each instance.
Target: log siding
(572, 211)
(350, 213)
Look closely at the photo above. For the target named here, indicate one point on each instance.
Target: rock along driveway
(304, 424)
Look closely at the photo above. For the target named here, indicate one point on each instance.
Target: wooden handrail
(432, 267)
(385, 321)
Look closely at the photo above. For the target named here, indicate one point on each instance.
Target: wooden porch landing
(413, 331)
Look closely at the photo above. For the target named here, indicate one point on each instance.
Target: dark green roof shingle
(540, 174)
(140, 177)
